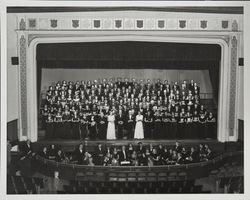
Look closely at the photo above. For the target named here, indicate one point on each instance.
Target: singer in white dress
(139, 133)
(111, 127)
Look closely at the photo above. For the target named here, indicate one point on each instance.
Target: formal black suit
(120, 119)
(99, 156)
(79, 156)
(130, 126)
(123, 156)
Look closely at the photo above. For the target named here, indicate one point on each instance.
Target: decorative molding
(234, 59)
(235, 26)
(132, 23)
(22, 24)
(23, 85)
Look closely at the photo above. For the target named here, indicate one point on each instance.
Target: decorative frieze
(65, 23)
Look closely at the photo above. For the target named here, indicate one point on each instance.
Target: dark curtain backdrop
(131, 55)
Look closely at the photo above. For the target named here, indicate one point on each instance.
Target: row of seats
(232, 184)
(132, 176)
(24, 185)
(162, 187)
(228, 169)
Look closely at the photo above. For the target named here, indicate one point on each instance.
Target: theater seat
(131, 177)
(113, 177)
(162, 176)
(141, 176)
(151, 176)
(172, 176)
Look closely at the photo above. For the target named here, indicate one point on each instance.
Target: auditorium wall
(12, 70)
(12, 73)
(53, 75)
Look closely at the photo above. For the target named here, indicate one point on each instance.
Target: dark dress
(92, 129)
(120, 126)
(165, 128)
(58, 128)
(195, 127)
(130, 126)
(211, 128)
(202, 127)
(49, 134)
(83, 128)
(157, 127)
(173, 128)
(189, 128)
(102, 127)
(181, 128)
(66, 132)
(148, 125)
(75, 128)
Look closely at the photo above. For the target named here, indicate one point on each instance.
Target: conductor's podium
(133, 173)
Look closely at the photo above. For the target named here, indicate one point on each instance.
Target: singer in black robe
(92, 128)
(120, 120)
(202, 126)
(66, 132)
(211, 127)
(173, 127)
(75, 127)
(83, 127)
(49, 134)
(148, 125)
(157, 126)
(58, 128)
(165, 127)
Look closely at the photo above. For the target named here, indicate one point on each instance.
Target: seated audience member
(123, 155)
(52, 152)
(44, 153)
(27, 150)
(130, 150)
(180, 159)
(165, 156)
(155, 157)
(115, 157)
(133, 159)
(79, 154)
(202, 152)
(60, 157)
(99, 155)
(193, 156)
(108, 157)
(177, 147)
(87, 159)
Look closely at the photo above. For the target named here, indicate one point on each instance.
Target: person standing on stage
(139, 133)
(130, 124)
(111, 126)
(148, 125)
(102, 126)
(120, 124)
(92, 127)
(83, 126)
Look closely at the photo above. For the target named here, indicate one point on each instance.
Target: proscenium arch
(224, 82)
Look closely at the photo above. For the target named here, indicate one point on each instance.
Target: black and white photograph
(125, 100)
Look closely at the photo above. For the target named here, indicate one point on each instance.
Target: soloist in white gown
(139, 134)
(111, 128)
